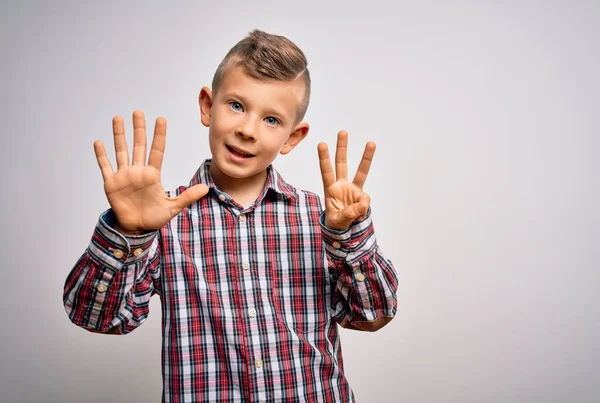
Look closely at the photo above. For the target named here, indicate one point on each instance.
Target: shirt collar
(274, 181)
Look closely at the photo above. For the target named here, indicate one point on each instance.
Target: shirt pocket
(299, 296)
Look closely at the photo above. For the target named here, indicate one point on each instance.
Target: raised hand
(345, 201)
(135, 192)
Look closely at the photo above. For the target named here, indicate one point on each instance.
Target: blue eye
(236, 106)
(271, 121)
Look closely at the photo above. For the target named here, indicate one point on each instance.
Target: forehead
(267, 93)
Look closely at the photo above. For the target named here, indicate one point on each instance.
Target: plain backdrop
(485, 183)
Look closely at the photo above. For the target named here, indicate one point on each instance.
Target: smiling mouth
(238, 152)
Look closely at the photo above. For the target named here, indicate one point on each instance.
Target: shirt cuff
(115, 249)
(351, 243)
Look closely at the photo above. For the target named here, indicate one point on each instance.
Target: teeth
(235, 150)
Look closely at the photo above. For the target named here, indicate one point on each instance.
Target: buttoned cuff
(115, 249)
(349, 244)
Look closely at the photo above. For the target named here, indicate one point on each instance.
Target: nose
(247, 129)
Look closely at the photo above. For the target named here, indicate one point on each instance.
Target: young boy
(253, 274)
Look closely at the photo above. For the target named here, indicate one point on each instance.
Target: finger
(157, 151)
(341, 156)
(139, 138)
(325, 164)
(365, 200)
(103, 161)
(189, 196)
(121, 152)
(358, 209)
(352, 212)
(365, 165)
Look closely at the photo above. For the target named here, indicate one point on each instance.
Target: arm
(364, 281)
(110, 286)
(109, 289)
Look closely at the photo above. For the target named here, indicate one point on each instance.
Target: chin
(232, 170)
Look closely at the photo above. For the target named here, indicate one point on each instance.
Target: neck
(244, 191)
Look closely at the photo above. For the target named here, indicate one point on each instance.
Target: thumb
(353, 211)
(190, 196)
(365, 200)
(358, 209)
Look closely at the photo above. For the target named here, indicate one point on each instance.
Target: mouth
(239, 152)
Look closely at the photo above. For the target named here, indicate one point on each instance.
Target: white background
(485, 184)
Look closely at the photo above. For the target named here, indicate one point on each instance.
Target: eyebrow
(268, 110)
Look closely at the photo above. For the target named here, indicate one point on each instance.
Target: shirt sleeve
(363, 280)
(109, 288)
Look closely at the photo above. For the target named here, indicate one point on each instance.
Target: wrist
(330, 224)
(334, 227)
(127, 232)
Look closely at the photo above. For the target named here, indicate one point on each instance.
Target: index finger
(365, 164)
(157, 151)
(325, 164)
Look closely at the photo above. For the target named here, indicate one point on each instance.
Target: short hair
(268, 57)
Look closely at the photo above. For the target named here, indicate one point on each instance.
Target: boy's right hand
(135, 192)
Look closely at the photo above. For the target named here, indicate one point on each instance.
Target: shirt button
(360, 277)
(222, 197)
(138, 252)
(242, 218)
(252, 313)
(337, 245)
(258, 363)
(246, 265)
(101, 288)
(118, 253)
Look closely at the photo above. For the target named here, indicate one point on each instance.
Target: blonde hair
(268, 57)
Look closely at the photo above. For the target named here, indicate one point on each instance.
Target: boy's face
(250, 122)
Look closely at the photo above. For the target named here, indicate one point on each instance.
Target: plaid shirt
(251, 297)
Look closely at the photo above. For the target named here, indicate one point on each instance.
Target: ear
(297, 135)
(205, 100)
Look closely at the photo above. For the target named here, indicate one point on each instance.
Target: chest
(261, 264)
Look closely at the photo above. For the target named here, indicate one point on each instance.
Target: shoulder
(306, 198)
(200, 176)
(294, 195)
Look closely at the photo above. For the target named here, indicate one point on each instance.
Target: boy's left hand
(345, 201)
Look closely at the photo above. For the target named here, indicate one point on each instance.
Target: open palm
(345, 201)
(135, 192)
